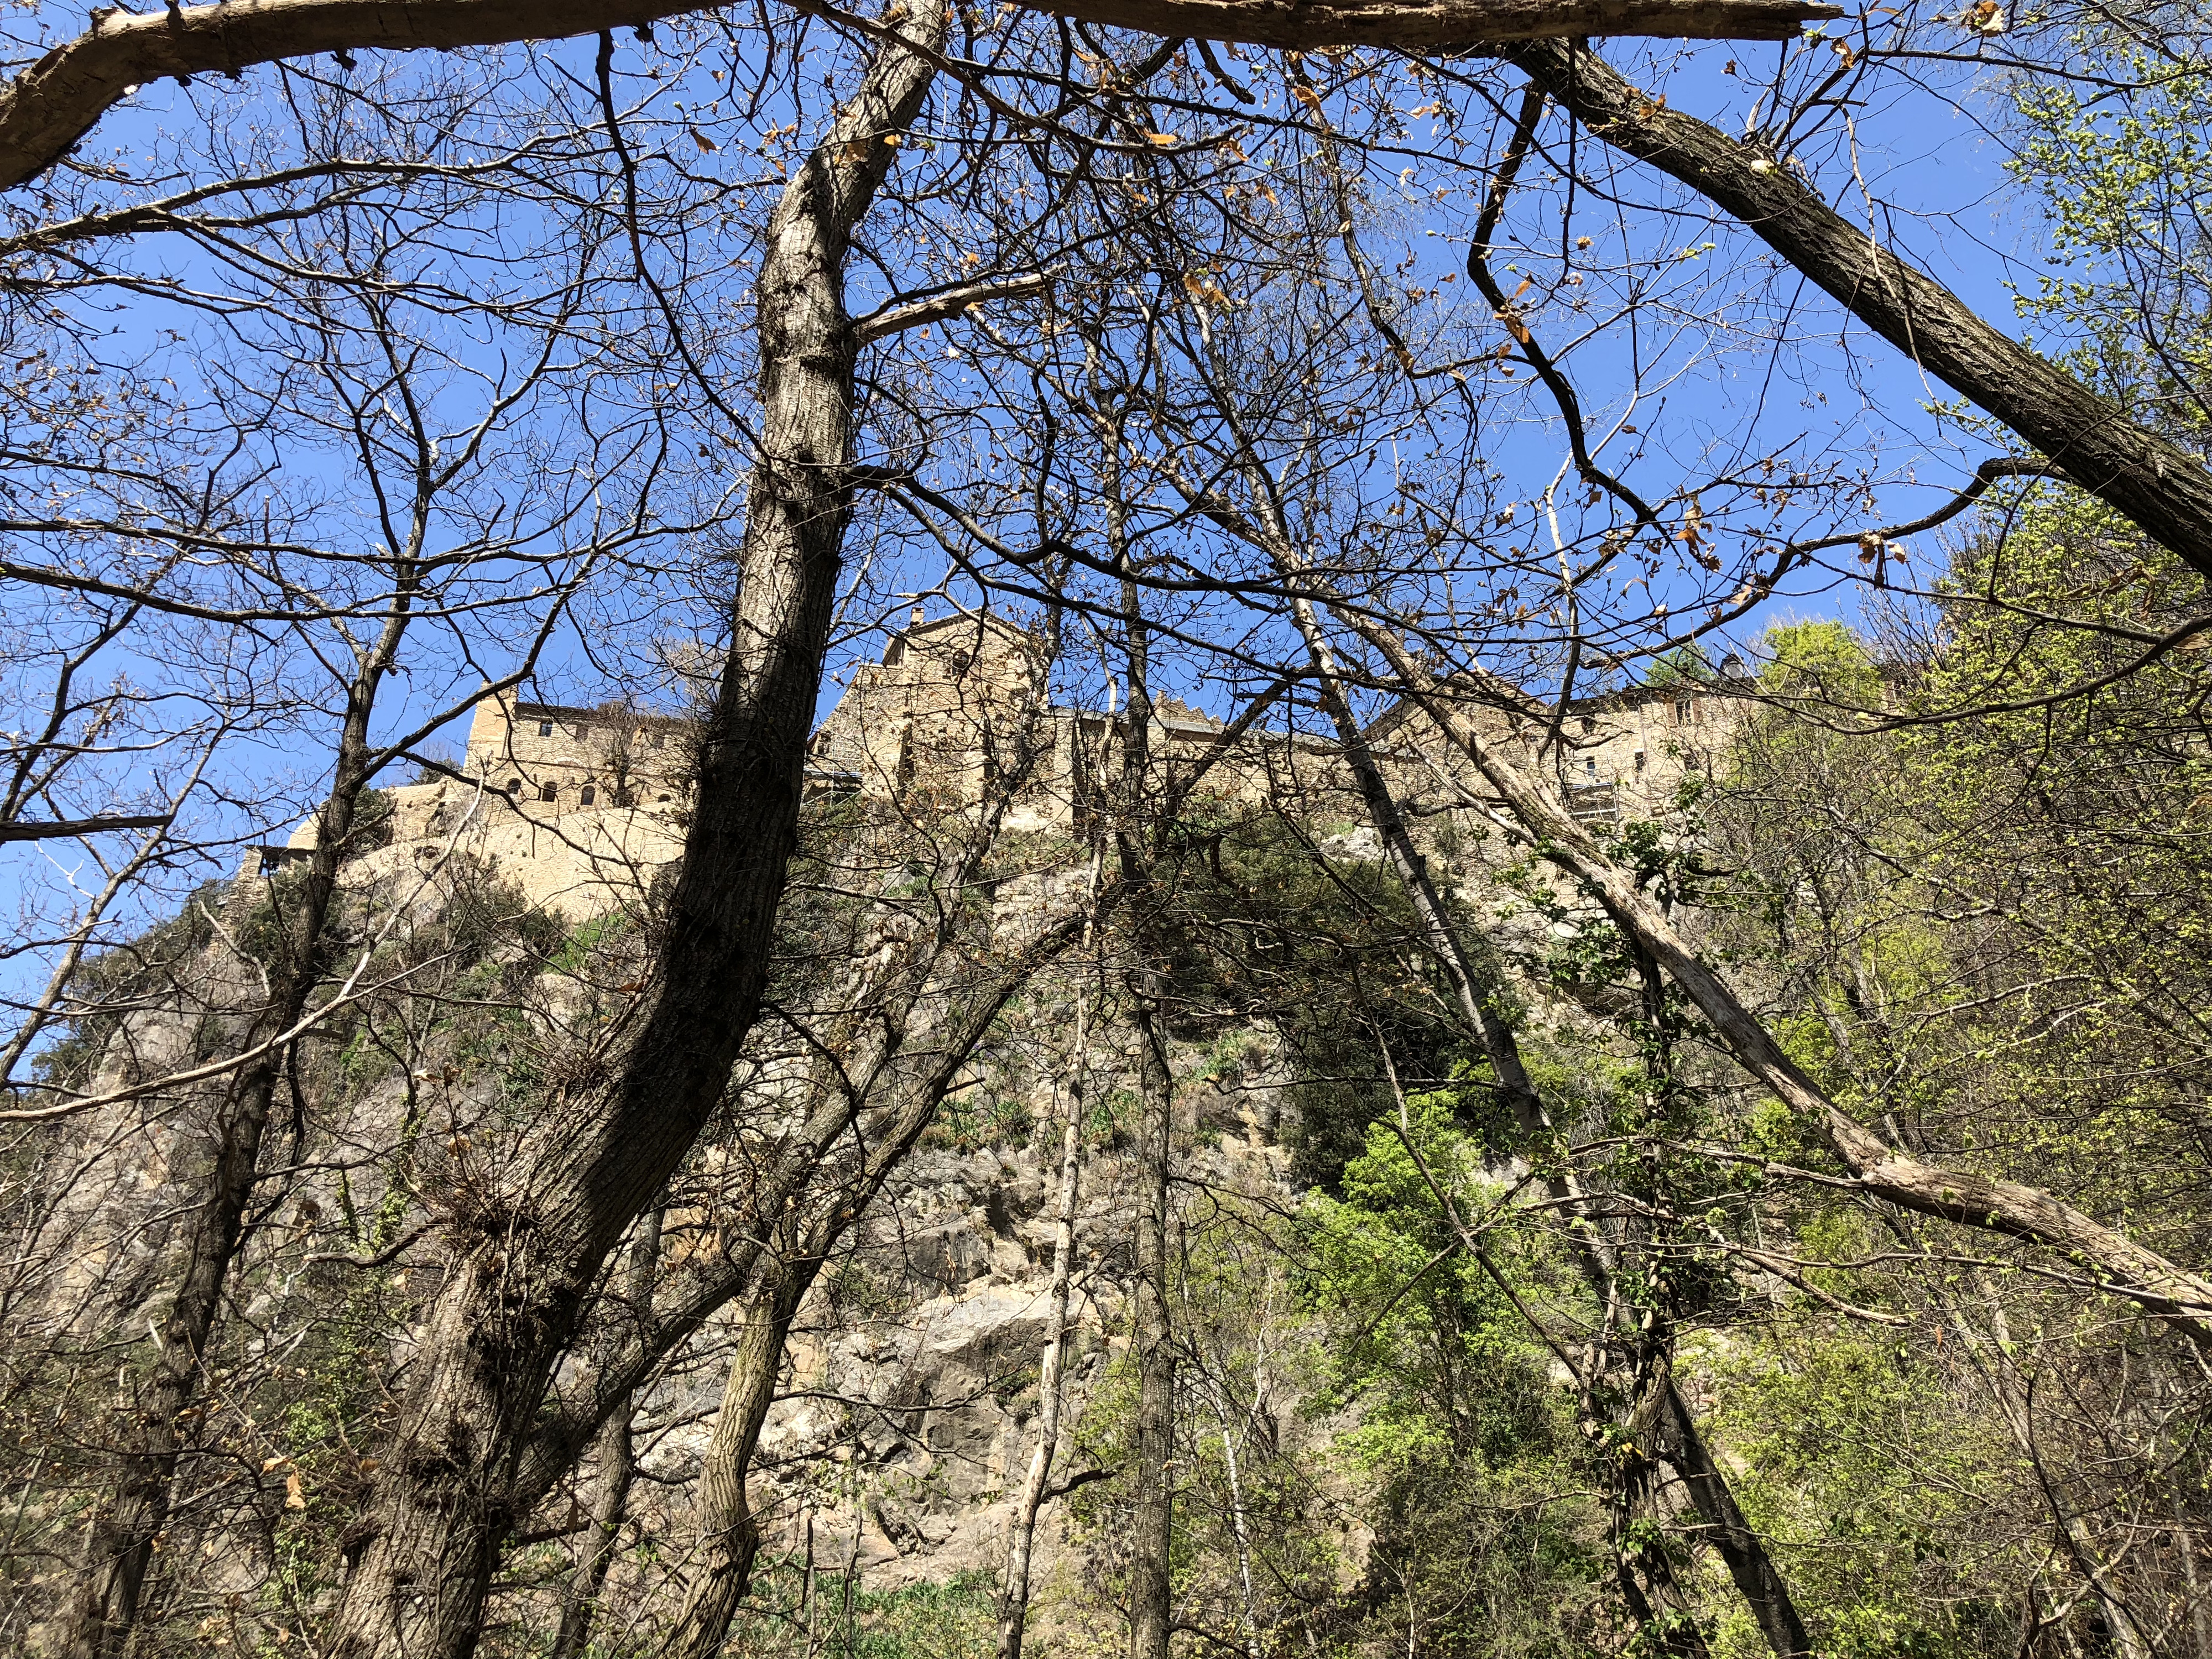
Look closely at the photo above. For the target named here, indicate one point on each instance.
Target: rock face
(908, 1412)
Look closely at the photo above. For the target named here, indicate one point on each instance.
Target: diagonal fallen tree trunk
(2120, 1264)
(2164, 489)
(52, 105)
(1764, 1590)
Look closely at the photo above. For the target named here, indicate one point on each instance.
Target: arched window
(587, 794)
(514, 788)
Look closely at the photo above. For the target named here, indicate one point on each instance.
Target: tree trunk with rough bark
(2165, 490)
(525, 1254)
(730, 1534)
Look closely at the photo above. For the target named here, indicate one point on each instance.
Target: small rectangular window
(548, 792)
(545, 728)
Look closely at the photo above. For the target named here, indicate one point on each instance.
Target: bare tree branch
(61, 829)
(55, 102)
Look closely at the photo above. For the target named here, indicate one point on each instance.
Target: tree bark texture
(730, 1534)
(2165, 490)
(2125, 1268)
(523, 1259)
(120, 1545)
(50, 105)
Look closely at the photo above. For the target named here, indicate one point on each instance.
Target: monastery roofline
(539, 711)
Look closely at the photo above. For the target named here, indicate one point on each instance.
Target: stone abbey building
(578, 808)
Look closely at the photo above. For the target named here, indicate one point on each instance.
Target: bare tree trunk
(522, 1260)
(730, 1533)
(1021, 1533)
(617, 1466)
(1152, 1335)
(120, 1543)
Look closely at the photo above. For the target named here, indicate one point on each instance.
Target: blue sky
(1758, 360)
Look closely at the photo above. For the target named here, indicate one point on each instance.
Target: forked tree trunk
(524, 1254)
(119, 1545)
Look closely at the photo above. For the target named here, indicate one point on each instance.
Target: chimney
(914, 617)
